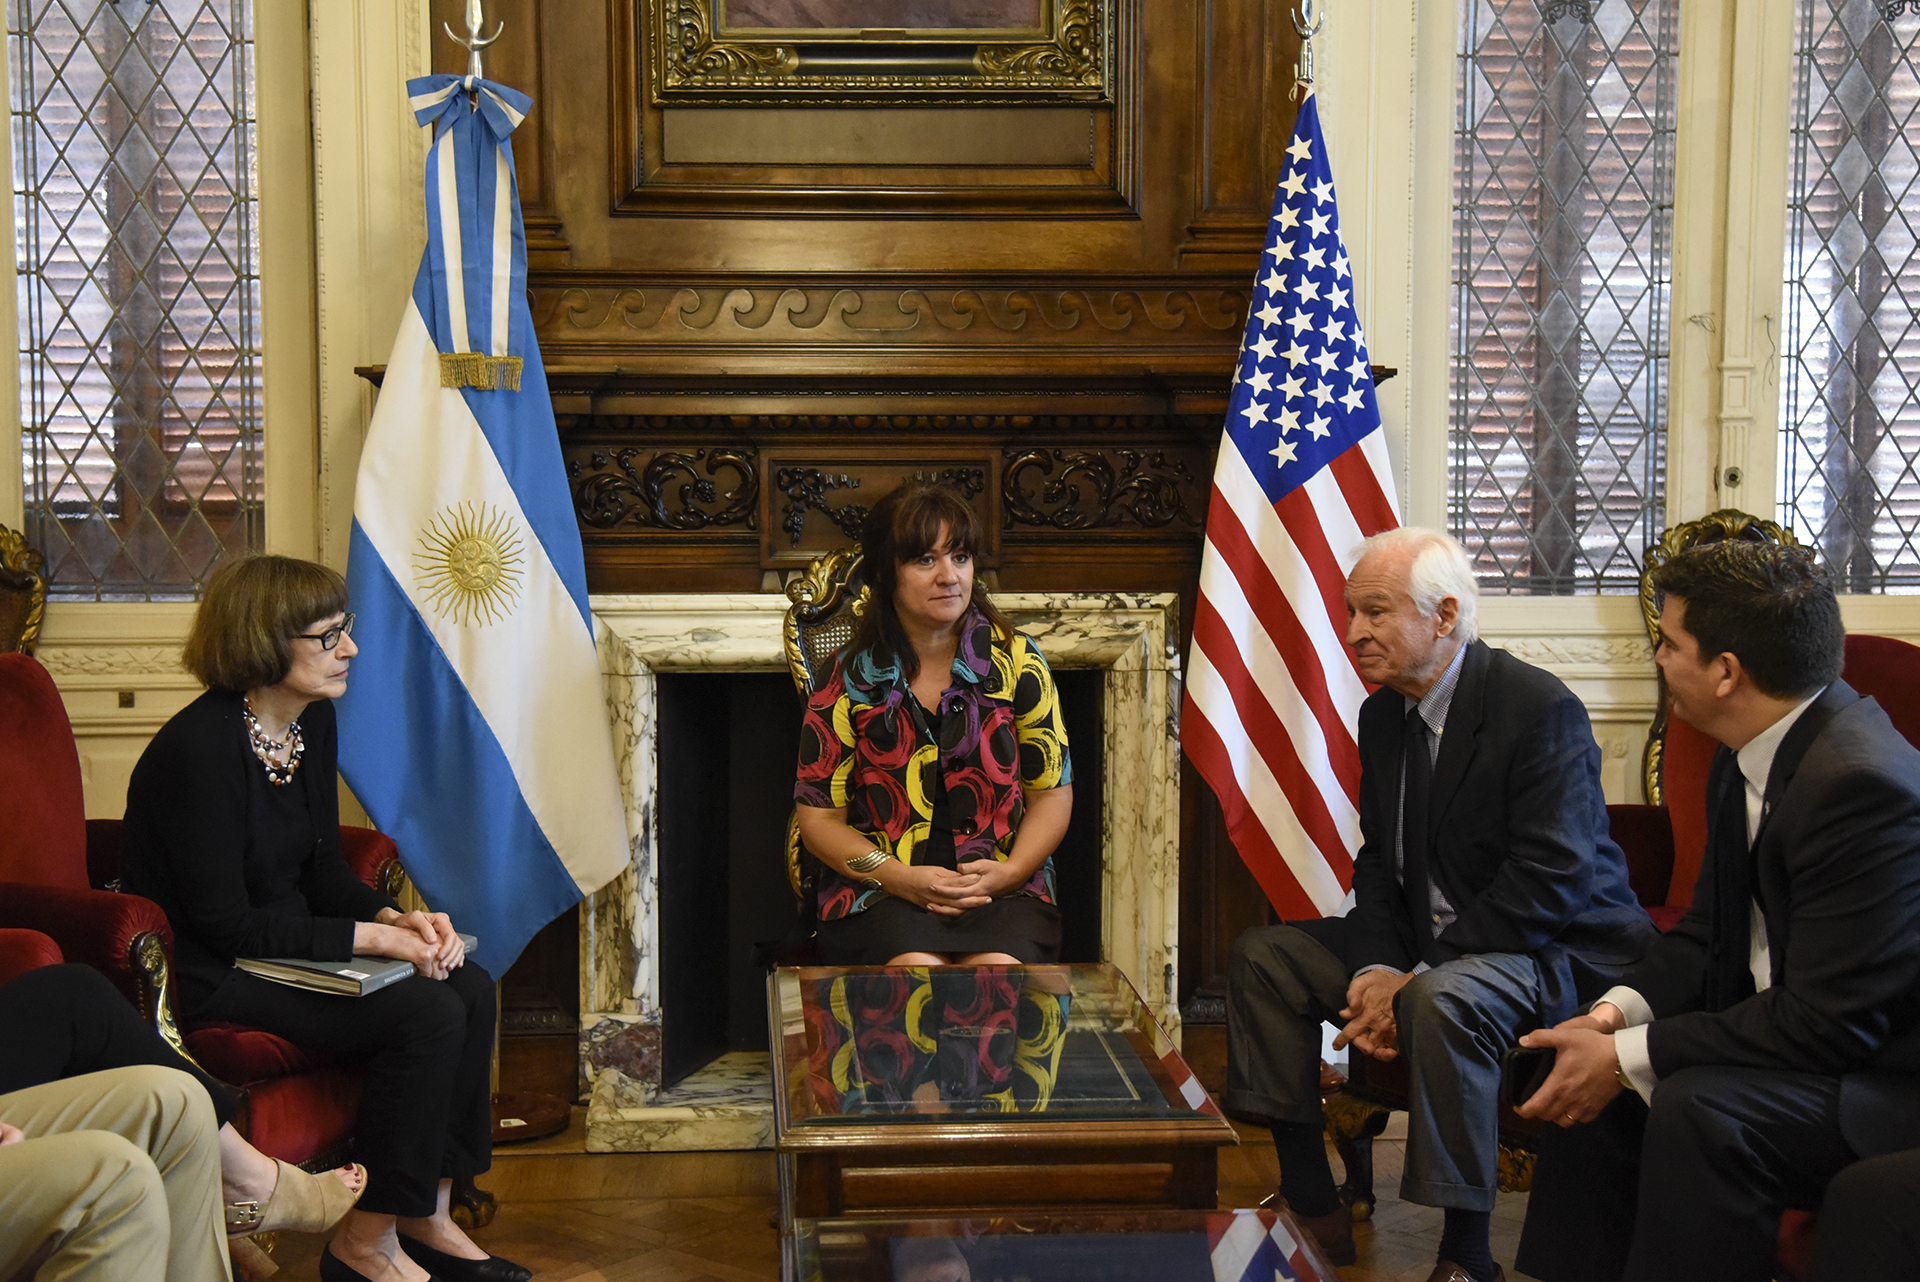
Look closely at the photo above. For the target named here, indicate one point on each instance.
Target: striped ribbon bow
(476, 245)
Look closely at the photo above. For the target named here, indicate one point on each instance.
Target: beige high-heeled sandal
(299, 1203)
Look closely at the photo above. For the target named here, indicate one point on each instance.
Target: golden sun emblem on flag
(468, 564)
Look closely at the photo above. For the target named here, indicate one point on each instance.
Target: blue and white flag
(474, 728)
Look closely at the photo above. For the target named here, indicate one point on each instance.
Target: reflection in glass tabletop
(1084, 1246)
(948, 1043)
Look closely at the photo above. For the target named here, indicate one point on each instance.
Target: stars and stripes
(1256, 1246)
(1302, 478)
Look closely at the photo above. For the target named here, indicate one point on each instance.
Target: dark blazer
(196, 842)
(1837, 868)
(1518, 835)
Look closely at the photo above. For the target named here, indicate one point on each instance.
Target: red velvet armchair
(25, 950)
(56, 872)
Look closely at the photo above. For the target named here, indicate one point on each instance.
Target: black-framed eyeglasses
(331, 637)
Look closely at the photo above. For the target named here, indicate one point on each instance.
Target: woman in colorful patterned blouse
(934, 778)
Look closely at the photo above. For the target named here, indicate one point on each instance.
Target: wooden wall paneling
(879, 153)
(1245, 107)
(1052, 293)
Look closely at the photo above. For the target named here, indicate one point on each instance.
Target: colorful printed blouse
(1000, 733)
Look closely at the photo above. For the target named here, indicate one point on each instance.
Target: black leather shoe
(451, 1268)
(335, 1269)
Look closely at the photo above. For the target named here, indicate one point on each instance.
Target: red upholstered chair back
(44, 840)
(1883, 667)
(1687, 758)
(1889, 670)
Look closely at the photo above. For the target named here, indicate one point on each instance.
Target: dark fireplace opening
(728, 744)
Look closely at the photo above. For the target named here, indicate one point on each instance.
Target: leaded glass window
(1563, 208)
(1850, 368)
(139, 294)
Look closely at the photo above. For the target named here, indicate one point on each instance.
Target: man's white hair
(1440, 569)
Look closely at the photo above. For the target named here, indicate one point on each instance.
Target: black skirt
(1018, 925)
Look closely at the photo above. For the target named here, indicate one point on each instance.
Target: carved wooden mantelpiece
(1185, 329)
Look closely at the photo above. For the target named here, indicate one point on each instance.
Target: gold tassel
(480, 371)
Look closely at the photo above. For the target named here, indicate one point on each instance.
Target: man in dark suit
(1773, 1032)
(1489, 900)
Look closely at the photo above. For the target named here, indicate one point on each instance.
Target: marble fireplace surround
(1133, 637)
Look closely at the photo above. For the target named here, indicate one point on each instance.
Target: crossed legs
(114, 1171)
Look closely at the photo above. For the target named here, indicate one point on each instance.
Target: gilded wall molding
(693, 59)
(733, 312)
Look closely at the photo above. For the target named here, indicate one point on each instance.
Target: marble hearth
(1131, 636)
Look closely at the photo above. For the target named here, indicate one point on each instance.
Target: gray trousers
(1455, 1022)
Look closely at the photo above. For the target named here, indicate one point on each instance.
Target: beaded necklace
(266, 747)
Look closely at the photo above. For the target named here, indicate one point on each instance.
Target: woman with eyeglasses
(233, 828)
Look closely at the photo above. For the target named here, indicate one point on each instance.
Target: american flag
(1302, 478)
(1257, 1246)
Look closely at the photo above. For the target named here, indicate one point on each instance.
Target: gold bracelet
(866, 863)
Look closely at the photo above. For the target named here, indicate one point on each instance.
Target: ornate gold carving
(1516, 1169)
(693, 62)
(148, 956)
(23, 592)
(816, 593)
(1715, 527)
(390, 879)
(980, 313)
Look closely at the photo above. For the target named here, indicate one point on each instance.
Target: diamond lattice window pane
(1850, 369)
(1563, 171)
(139, 290)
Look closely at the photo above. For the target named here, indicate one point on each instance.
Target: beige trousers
(118, 1178)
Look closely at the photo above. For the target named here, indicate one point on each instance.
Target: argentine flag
(474, 729)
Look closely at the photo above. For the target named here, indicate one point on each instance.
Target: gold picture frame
(696, 57)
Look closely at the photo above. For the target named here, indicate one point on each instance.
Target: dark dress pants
(1454, 1022)
(1690, 1190)
(424, 1048)
(1870, 1222)
(64, 1021)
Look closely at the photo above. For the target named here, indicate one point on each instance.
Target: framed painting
(880, 51)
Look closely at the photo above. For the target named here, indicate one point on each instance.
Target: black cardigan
(235, 879)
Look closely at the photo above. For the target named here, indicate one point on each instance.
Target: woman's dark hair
(1771, 607)
(904, 525)
(242, 636)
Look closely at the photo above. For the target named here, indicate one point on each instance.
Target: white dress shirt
(1755, 762)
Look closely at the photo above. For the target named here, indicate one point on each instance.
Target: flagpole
(1308, 26)
(473, 42)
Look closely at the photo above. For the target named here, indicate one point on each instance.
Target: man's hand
(10, 1135)
(1369, 1014)
(1586, 1072)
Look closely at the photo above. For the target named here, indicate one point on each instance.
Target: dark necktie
(1417, 783)
(1729, 970)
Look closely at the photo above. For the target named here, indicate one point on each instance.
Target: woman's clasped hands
(428, 940)
(949, 891)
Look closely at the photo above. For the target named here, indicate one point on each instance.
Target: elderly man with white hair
(1489, 901)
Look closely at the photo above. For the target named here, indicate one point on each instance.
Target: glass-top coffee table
(978, 1089)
